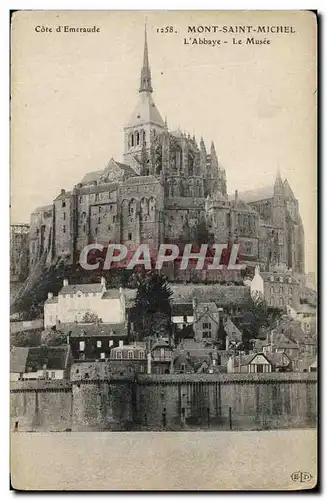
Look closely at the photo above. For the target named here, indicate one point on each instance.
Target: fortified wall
(97, 398)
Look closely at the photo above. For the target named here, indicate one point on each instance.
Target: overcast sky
(73, 93)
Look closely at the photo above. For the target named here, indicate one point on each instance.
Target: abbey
(168, 188)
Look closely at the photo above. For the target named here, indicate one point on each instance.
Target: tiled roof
(53, 300)
(251, 195)
(127, 169)
(92, 176)
(278, 359)
(18, 357)
(112, 293)
(106, 187)
(55, 358)
(96, 330)
(182, 309)
(63, 196)
(221, 295)
(84, 288)
(46, 208)
(160, 343)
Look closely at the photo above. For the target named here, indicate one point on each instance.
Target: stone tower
(144, 124)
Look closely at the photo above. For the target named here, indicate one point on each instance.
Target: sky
(72, 94)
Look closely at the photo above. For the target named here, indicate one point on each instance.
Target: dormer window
(281, 279)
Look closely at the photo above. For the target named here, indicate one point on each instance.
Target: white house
(75, 301)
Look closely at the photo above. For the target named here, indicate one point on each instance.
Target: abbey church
(167, 184)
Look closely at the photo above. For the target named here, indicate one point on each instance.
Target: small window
(96, 230)
(63, 204)
(109, 228)
(183, 367)
(81, 199)
(102, 355)
(130, 355)
(53, 374)
(99, 220)
(100, 210)
(84, 228)
(82, 345)
(64, 215)
(63, 229)
(129, 236)
(99, 343)
(113, 218)
(141, 354)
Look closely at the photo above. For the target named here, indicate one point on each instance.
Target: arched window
(152, 203)
(130, 355)
(137, 138)
(131, 207)
(132, 139)
(144, 208)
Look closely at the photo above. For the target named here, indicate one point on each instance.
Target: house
(94, 341)
(160, 357)
(207, 319)
(278, 289)
(259, 363)
(181, 363)
(76, 302)
(40, 363)
(129, 357)
(182, 314)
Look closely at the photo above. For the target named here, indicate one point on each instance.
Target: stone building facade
(168, 188)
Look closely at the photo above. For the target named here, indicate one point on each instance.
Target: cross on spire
(145, 84)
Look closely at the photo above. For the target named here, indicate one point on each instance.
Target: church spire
(145, 85)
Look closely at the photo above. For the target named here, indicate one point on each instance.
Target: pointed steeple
(278, 179)
(145, 84)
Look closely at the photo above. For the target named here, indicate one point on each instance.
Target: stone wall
(41, 405)
(98, 398)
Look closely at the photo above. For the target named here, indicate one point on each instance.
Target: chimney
(213, 362)
(50, 295)
(103, 281)
(62, 191)
(194, 303)
(111, 343)
(65, 282)
(149, 363)
(121, 290)
(257, 270)
(121, 343)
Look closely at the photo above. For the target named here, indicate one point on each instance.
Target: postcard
(163, 311)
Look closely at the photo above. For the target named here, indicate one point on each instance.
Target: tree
(90, 317)
(257, 317)
(152, 311)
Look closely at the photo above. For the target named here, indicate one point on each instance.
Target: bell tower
(144, 124)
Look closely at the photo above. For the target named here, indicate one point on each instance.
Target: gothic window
(132, 140)
(131, 207)
(281, 301)
(129, 236)
(84, 228)
(63, 229)
(137, 138)
(143, 137)
(144, 206)
(152, 203)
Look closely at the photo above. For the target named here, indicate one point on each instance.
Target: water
(161, 461)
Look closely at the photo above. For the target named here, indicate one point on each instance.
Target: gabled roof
(18, 357)
(233, 333)
(252, 195)
(92, 177)
(278, 359)
(145, 112)
(84, 288)
(160, 344)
